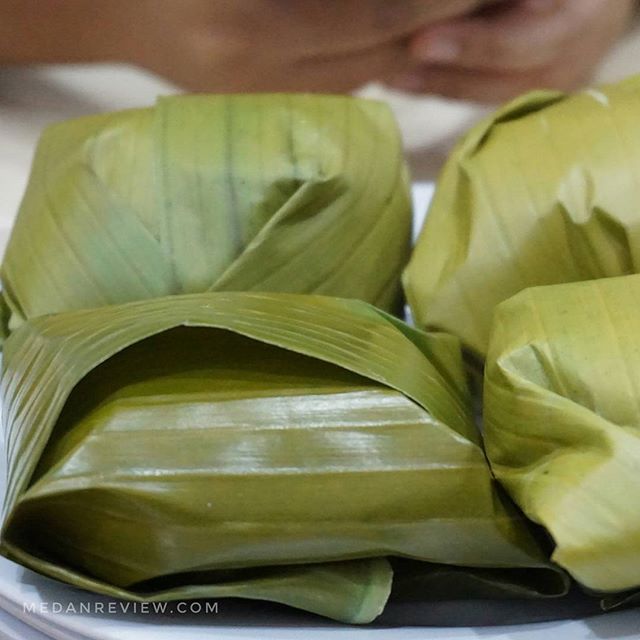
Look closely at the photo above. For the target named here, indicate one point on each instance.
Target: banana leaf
(192, 445)
(421, 582)
(562, 422)
(545, 191)
(294, 193)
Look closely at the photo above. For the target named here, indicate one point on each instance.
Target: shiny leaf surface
(162, 441)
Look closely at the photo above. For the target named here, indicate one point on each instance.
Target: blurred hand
(280, 45)
(227, 45)
(516, 46)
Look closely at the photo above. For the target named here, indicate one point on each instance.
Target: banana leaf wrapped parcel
(562, 422)
(259, 445)
(543, 192)
(295, 193)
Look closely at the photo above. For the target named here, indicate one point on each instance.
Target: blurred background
(34, 96)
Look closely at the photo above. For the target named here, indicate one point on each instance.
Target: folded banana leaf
(295, 193)
(244, 443)
(543, 192)
(562, 422)
(415, 581)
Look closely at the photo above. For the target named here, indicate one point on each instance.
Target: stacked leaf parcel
(545, 191)
(184, 422)
(271, 446)
(562, 422)
(301, 194)
(542, 200)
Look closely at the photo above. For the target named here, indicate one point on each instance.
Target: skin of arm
(455, 48)
(227, 45)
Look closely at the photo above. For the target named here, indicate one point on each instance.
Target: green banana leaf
(165, 448)
(420, 582)
(562, 422)
(294, 193)
(545, 191)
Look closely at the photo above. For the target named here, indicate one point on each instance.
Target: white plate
(12, 628)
